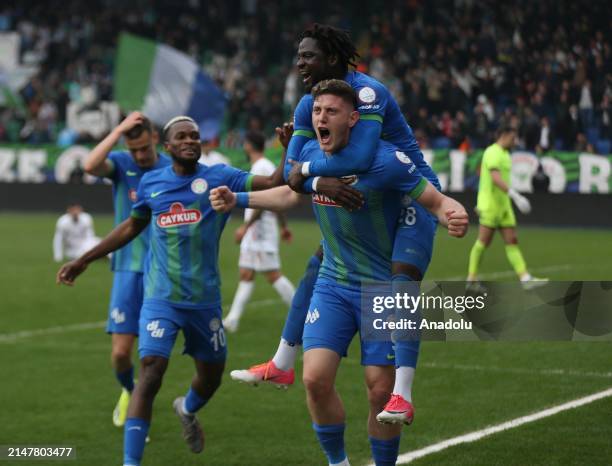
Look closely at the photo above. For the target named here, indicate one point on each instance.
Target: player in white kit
(74, 234)
(258, 237)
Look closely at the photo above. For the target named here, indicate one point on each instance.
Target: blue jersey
(181, 267)
(357, 246)
(126, 176)
(375, 104)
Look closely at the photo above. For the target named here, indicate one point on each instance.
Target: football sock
(284, 359)
(134, 436)
(243, 294)
(284, 288)
(384, 452)
(404, 376)
(294, 324)
(193, 402)
(407, 342)
(515, 257)
(126, 379)
(476, 257)
(331, 438)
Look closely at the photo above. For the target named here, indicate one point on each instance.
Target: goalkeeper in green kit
(495, 210)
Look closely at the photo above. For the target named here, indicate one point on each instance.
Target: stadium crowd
(458, 68)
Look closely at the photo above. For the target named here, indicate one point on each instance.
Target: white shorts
(259, 261)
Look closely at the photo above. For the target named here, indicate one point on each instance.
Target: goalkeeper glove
(521, 202)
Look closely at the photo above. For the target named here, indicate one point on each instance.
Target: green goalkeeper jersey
(490, 196)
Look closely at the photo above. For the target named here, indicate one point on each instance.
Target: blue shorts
(202, 328)
(333, 318)
(125, 303)
(414, 236)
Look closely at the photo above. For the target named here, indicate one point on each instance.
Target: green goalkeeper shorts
(503, 218)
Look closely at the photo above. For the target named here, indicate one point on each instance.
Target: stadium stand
(458, 68)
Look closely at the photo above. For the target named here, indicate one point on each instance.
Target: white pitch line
(516, 370)
(509, 273)
(479, 434)
(13, 337)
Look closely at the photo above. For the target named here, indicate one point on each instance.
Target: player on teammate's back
(358, 247)
(326, 52)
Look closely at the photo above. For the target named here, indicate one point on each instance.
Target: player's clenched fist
(457, 223)
(222, 199)
(68, 272)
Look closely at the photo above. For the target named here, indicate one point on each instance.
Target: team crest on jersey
(321, 199)
(367, 95)
(132, 195)
(178, 215)
(199, 185)
(214, 324)
(402, 157)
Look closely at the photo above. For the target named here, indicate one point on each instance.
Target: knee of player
(409, 270)
(152, 372)
(247, 275)
(316, 386)
(272, 276)
(121, 354)
(379, 394)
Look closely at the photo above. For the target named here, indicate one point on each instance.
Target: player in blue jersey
(326, 52)
(125, 169)
(358, 247)
(181, 278)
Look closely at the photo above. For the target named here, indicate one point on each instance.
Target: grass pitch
(57, 386)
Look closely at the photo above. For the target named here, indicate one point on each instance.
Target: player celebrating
(326, 52)
(74, 234)
(495, 210)
(181, 279)
(258, 238)
(357, 249)
(125, 169)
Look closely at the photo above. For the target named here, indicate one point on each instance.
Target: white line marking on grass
(15, 336)
(516, 370)
(511, 273)
(12, 337)
(479, 434)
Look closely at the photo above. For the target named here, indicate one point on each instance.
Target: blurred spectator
(540, 180)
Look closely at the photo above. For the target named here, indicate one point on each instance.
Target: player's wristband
(315, 181)
(306, 169)
(242, 200)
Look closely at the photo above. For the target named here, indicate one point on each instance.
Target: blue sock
(407, 342)
(134, 436)
(385, 452)
(193, 401)
(294, 324)
(331, 438)
(126, 379)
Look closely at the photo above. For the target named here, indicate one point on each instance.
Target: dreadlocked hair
(333, 41)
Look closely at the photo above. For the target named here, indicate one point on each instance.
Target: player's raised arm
(97, 163)
(118, 237)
